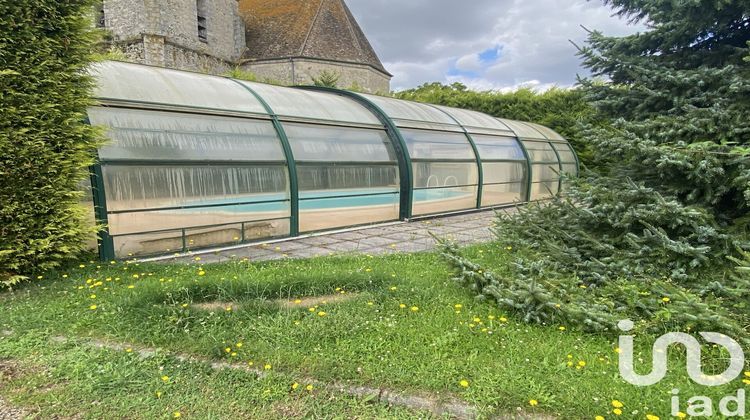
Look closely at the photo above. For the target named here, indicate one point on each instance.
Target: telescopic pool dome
(196, 161)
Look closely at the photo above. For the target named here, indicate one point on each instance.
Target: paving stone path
(375, 240)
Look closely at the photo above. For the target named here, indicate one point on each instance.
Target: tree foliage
(669, 208)
(45, 147)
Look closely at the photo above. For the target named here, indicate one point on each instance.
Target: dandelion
(92, 297)
(82, 266)
(561, 328)
(393, 288)
(165, 378)
(197, 258)
(229, 309)
(267, 367)
(295, 386)
(177, 414)
(201, 273)
(131, 287)
(402, 306)
(322, 314)
(93, 307)
(415, 308)
(297, 301)
(617, 404)
(458, 306)
(617, 412)
(250, 363)
(464, 383)
(228, 350)
(665, 299)
(533, 403)
(503, 319)
(234, 354)
(477, 320)
(681, 415)
(158, 394)
(309, 388)
(238, 345)
(581, 363)
(598, 418)
(185, 305)
(128, 350)
(370, 303)
(491, 317)
(651, 417)
(311, 309)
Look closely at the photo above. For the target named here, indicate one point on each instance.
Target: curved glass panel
(498, 194)
(347, 179)
(503, 172)
(137, 83)
(338, 144)
(498, 148)
(540, 151)
(523, 130)
(398, 109)
(296, 103)
(423, 144)
(547, 132)
(155, 135)
(470, 119)
(565, 152)
(444, 174)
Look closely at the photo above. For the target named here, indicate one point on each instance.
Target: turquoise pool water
(320, 200)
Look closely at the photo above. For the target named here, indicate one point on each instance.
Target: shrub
(45, 147)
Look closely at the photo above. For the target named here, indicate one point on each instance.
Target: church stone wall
(165, 33)
(301, 71)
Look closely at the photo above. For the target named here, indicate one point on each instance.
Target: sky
(484, 44)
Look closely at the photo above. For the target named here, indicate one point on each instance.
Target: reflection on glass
(441, 200)
(424, 144)
(498, 194)
(444, 174)
(338, 144)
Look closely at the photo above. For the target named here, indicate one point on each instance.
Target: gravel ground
(9, 413)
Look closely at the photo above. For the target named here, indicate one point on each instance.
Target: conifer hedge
(45, 146)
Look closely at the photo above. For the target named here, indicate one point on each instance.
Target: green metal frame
(291, 163)
(105, 241)
(529, 166)
(480, 180)
(406, 175)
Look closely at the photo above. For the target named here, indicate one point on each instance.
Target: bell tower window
(202, 21)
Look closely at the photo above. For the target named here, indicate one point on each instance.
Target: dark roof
(320, 29)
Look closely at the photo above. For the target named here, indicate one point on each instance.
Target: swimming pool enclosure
(196, 161)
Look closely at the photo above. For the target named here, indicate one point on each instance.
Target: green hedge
(45, 147)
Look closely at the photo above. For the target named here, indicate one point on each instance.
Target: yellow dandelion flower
(402, 306)
(228, 350)
(321, 313)
(651, 417)
(533, 403)
(491, 317)
(238, 345)
(295, 386)
(92, 297)
(229, 309)
(250, 363)
(394, 287)
(93, 307)
(581, 363)
(617, 404)
(681, 415)
(309, 388)
(197, 258)
(165, 378)
(477, 320)
(415, 308)
(747, 374)
(185, 305)
(311, 309)
(617, 412)
(665, 299)
(297, 301)
(131, 287)
(128, 350)
(158, 394)
(176, 414)
(464, 383)
(598, 418)
(561, 328)
(370, 303)
(267, 367)
(201, 273)
(368, 269)
(618, 350)
(503, 319)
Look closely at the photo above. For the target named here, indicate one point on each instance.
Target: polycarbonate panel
(172, 241)
(444, 174)
(332, 212)
(565, 152)
(154, 135)
(493, 173)
(443, 200)
(398, 109)
(540, 151)
(498, 194)
(299, 103)
(133, 82)
(470, 119)
(546, 131)
(570, 169)
(424, 144)
(500, 148)
(338, 144)
(522, 129)
(151, 187)
(545, 172)
(346, 178)
(540, 190)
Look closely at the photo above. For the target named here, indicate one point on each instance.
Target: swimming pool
(322, 200)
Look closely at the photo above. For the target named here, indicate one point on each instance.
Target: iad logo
(697, 406)
(693, 347)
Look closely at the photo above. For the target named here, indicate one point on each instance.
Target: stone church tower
(284, 41)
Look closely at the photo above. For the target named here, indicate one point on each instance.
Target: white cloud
(440, 40)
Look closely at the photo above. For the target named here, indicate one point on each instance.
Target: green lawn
(399, 323)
